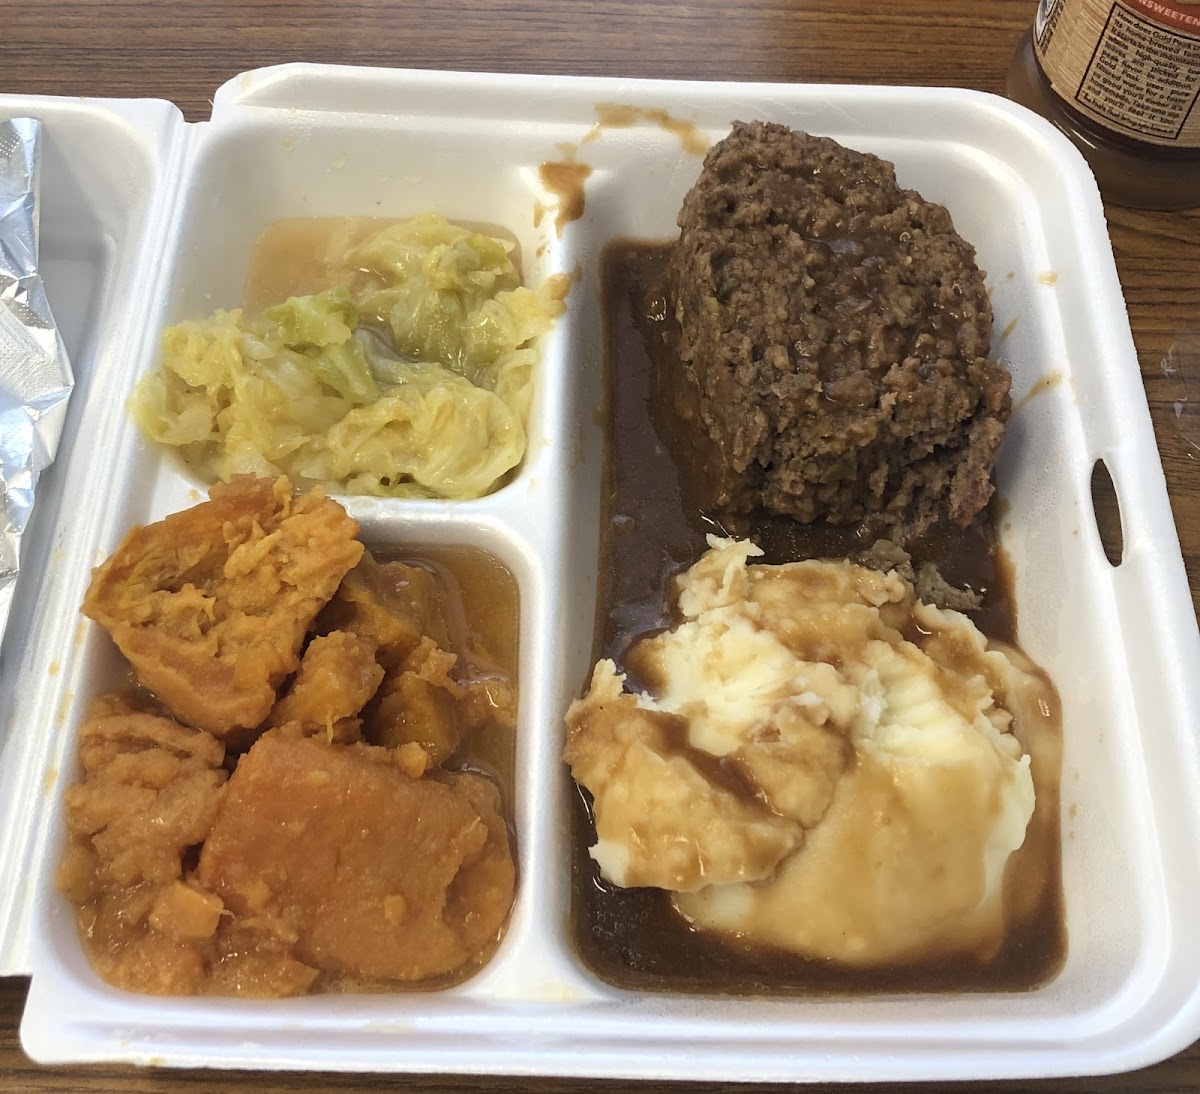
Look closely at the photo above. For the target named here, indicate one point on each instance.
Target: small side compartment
(105, 175)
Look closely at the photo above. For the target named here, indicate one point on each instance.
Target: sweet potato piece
(367, 872)
(419, 703)
(211, 605)
(390, 604)
(338, 675)
(150, 791)
(254, 965)
(185, 912)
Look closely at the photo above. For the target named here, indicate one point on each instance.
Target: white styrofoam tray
(148, 220)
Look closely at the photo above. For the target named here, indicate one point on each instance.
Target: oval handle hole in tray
(1107, 512)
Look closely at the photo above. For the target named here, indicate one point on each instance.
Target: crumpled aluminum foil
(35, 375)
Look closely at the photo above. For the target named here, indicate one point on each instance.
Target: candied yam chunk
(365, 871)
(150, 790)
(338, 675)
(156, 964)
(422, 703)
(186, 911)
(390, 604)
(417, 711)
(478, 894)
(253, 963)
(211, 605)
(149, 793)
(419, 703)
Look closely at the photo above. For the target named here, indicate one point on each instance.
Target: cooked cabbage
(412, 379)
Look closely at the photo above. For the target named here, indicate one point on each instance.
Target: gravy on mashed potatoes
(819, 762)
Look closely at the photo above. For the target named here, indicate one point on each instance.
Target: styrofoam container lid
(148, 220)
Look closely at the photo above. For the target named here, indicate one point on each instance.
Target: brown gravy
(624, 116)
(564, 179)
(655, 527)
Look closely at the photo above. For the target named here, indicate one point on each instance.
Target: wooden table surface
(184, 51)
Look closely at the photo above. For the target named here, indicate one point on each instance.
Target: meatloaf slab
(837, 330)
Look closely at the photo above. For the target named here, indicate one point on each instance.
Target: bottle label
(1132, 65)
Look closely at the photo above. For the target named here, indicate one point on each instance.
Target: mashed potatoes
(819, 762)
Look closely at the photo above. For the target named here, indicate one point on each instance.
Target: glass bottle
(1121, 78)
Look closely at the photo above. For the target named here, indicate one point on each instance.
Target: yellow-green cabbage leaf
(414, 379)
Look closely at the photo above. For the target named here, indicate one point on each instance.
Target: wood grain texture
(184, 51)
